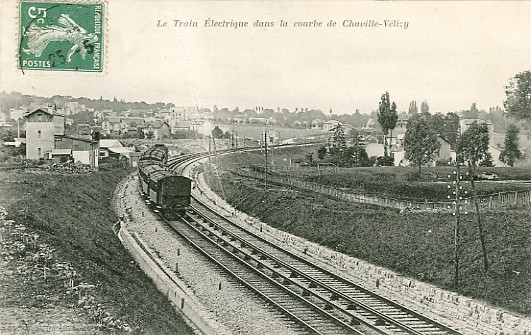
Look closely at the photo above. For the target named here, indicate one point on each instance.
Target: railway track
(340, 297)
(308, 315)
(317, 299)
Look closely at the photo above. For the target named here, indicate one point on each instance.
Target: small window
(39, 133)
(39, 151)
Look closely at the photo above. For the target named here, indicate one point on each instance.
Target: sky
(451, 54)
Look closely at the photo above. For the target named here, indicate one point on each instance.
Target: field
(418, 245)
(72, 213)
(390, 182)
(256, 132)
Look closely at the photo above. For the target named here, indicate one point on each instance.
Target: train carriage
(157, 153)
(168, 192)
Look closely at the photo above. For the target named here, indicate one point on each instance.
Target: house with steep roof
(112, 125)
(159, 129)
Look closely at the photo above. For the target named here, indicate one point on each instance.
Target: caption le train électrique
(213, 23)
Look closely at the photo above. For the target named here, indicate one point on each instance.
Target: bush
(386, 161)
(413, 176)
(443, 162)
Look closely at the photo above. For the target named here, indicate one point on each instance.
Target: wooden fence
(485, 201)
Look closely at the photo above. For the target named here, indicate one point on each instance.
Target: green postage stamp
(61, 36)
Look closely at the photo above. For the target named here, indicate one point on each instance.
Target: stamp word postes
(61, 36)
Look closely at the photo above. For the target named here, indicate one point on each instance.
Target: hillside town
(74, 132)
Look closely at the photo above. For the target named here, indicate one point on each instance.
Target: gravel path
(234, 305)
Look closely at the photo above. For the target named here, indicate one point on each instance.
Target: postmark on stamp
(61, 36)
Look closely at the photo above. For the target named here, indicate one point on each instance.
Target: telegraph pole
(456, 228)
(266, 153)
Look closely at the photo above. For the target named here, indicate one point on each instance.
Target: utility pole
(266, 153)
(209, 150)
(456, 228)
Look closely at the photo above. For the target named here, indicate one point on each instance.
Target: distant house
(84, 151)
(184, 113)
(106, 145)
(374, 149)
(257, 120)
(17, 113)
(317, 124)
(242, 118)
(445, 152)
(159, 129)
(331, 124)
(465, 123)
(400, 127)
(203, 127)
(112, 125)
(181, 126)
(369, 127)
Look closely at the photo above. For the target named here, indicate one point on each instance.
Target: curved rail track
(320, 301)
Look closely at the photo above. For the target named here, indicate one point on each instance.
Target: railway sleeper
(355, 322)
(328, 307)
(380, 322)
(352, 307)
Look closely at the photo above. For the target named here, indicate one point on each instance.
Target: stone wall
(468, 315)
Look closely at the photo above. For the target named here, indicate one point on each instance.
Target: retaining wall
(470, 316)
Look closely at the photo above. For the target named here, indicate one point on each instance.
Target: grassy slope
(73, 214)
(392, 182)
(417, 245)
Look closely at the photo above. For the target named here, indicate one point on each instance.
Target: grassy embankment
(391, 182)
(418, 245)
(73, 214)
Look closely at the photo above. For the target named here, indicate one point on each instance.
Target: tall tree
(518, 92)
(420, 141)
(424, 108)
(510, 152)
(472, 113)
(473, 146)
(412, 108)
(338, 140)
(387, 117)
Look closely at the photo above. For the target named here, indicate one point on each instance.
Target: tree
(424, 108)
(387, 117)
(321, 152)
(413, 108)
(510, 152)
(474, 144)
(487, 161)
(338, 139)
(472, 148)
(217, 132)
(472, 113)
(518, 92)
(420, 141)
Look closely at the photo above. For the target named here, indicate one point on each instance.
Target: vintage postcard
(362, 166)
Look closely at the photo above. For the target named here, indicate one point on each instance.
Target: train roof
(159, 152)
(157, 173)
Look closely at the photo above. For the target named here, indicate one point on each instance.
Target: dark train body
(167, 191)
